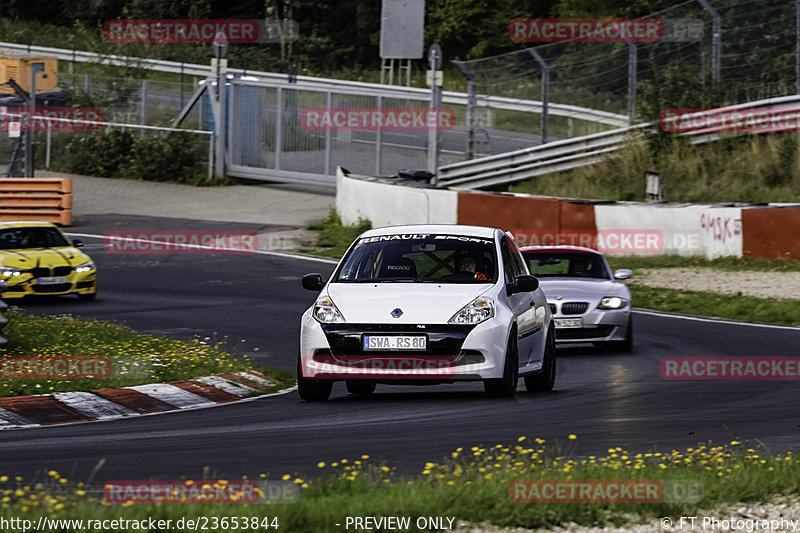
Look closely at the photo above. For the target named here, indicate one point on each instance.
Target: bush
(120, 153)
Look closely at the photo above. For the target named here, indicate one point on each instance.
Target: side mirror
(77, 243)
(623, 273)
(313, 282)
(524, 283)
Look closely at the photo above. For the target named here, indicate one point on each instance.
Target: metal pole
(220, 128)
(434, 63)
(279, 130)
(328, 137)
(145, 86)
(379, 140)
(183, 60)
(716, 39)
(545, 90)
(632, 74)
(47, 152)
(29, 134)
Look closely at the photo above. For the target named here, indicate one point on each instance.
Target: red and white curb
(104, 404)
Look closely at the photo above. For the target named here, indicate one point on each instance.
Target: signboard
(402, 27)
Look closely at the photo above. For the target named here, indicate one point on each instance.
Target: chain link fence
(723, 51)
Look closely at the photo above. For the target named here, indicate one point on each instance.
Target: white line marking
(288, 255)
(713, 320)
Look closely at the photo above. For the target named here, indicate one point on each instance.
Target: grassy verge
(134, 359)
(333, 237)
(731, 264)
(736, 307)
(747, 168)
(470, 486)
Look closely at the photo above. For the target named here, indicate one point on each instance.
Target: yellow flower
(572, 436)
(321, 464)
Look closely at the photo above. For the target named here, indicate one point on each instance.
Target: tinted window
(558, 264)
(420, 257)
(33, 237)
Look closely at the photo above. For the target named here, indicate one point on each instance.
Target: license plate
(395, 342)
(50, 281)
(568, 323)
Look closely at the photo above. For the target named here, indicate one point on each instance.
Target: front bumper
(599, 325)
(454, 352)
(27, 284)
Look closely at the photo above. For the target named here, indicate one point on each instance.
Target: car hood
(34, 257)
(581, 289)
(421, 303)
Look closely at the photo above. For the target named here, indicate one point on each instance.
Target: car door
(522, 304)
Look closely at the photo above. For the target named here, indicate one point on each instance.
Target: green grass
(732, 306)
(747, 168)
(333, 237)
(471, 485)
(731, 264)
(134, 358)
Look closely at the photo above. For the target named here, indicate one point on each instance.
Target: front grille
(552, 308)
(574, 308)
(45, 272)
(443, 339)
(84, 284)
(58, 287)
(584, 333)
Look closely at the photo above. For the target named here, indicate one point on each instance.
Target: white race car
(427, 304)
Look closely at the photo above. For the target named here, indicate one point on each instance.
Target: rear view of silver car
(588, 302)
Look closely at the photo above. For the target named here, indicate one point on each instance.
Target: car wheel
(627, 344)
(360, 388)
(312, 390)
(507, 385)
(546, 379)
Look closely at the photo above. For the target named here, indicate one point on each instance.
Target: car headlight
(325, 311)
(612, 302)
(86, 267)
(475, 312)
(9, 272)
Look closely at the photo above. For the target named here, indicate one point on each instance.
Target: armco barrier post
(3, 307)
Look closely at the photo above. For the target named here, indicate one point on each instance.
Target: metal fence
(747, 49)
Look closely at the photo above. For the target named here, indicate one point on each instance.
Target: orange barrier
(771, 232)
(46, 199)
(508, 212)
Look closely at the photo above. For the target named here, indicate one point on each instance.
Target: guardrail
(46, 199)
(390, 91)
(568, 154)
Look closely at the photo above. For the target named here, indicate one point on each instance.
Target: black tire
(360, 388)
(627, 344)
(312, 390)
(88, 296)
(546, 379)
(506, 386)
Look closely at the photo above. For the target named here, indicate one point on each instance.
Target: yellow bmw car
(37, 258)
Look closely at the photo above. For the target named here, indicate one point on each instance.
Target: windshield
(572, 265)
(420, 258)
(32, 237)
